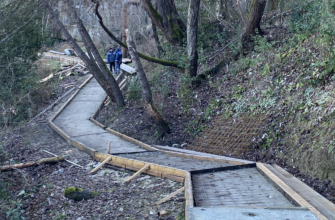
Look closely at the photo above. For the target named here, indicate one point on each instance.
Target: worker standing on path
(118, 60)
(111, 55)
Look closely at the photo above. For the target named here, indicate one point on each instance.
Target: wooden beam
(109, 148)
(322, 204)
(170, 196)
(140, 164)
(138, 172)
(289, 191)
(103, 162)
(150, 172)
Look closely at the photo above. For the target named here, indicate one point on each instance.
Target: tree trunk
(124, 24)
(147, 95)
(254, 21)
(167, 19)
(158, 45)
(223, 9)
(103, 67)
(192, 37)
(111, 35)
(91, 65)
(50, 160)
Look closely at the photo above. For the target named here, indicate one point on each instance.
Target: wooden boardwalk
(216, 187)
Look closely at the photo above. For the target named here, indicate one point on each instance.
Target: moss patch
(155, 12)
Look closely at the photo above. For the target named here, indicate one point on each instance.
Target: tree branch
(143, 56)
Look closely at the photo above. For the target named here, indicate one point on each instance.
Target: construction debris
(68, 70)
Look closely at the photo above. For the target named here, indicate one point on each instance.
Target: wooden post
(138, 172)
(170, 196)
(109, 148)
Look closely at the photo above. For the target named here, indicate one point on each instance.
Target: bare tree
(255, 17)
(192, 37)
(147, 95)
(143, 56)
(97, 67)
(167, 19)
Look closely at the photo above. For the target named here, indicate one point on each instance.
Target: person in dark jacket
(118, 60)
(111, 55)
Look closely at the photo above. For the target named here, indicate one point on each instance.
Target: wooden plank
(301, 201)
(119, 77)
(97, 123)
(64, 106)
(82, 147)
(100, 165)
(127, 69)
(146, 167)
(211, 157)
(56, 52)
(109, 147)
(86, 81)
(170, 196)
(126, 60)
(322, 204)
(197, 157)
(125, 137)
(59, 131)
(150, 172)
(136, 163)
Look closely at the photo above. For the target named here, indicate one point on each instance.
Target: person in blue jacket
(111, 55)
(118, 60)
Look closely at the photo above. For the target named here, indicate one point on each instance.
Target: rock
(78, 194)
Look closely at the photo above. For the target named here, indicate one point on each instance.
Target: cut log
(51, 160)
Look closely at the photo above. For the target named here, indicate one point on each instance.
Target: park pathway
(216, 187)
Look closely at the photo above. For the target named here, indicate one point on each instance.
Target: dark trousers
(112, 66)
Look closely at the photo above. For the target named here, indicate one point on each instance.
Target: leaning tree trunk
(192, 37)
(102, 66)
(91, 65)
(254, 21)
(158, 45)
(147, 95)
(167, 19)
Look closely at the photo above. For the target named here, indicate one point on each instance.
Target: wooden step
(323, 205)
